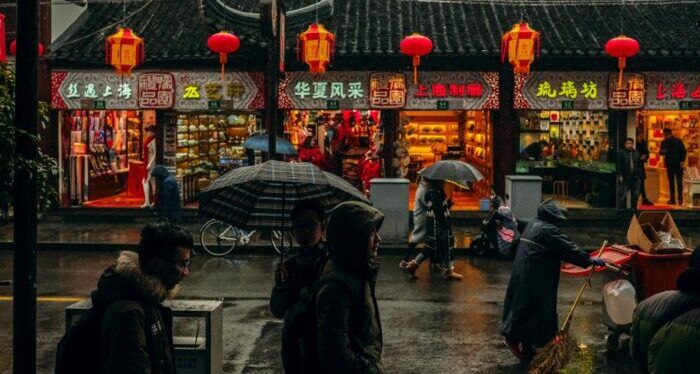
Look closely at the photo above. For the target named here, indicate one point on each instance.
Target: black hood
(689, 280)
(347, 232)
(551, 212)
(160, 171)
(126, 281)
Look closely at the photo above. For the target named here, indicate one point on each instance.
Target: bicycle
(220, 238)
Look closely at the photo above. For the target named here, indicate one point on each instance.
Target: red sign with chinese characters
(443, 90)
(629, 95)
(387, 90)
(459, 89)
(667, 90)
(156, 91)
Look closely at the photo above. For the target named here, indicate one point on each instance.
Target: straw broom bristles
(556, 354)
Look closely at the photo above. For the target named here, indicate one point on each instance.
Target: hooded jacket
(136, 330)
(348, 322)
(662, 326)
(530, 307)
(168, 202)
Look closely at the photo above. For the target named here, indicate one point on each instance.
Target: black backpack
(78, 350)
(299, 334)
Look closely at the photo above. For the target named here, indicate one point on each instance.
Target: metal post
(25, 208)
(270, 11)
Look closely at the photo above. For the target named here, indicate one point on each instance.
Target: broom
(556, 354)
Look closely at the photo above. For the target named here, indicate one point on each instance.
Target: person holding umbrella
(439, 239)
(530, 306)
(301, 270)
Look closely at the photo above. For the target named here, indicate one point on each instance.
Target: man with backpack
(335, 326)
(300, 271)
(128, 330)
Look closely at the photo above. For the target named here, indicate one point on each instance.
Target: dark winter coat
(168, 203)
(136, 333)
(625, 170)
(530, 307)
(348, 322)
(303, 270)
(668, 312)
(439, 233)
(674, 152)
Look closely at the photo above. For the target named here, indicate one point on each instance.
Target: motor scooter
(500, 231)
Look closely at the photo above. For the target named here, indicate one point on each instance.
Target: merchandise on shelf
(685, 125)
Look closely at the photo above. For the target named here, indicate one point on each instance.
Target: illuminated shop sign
(387, 90)
(342, 90)
(444, 90)
(628, 95)
(666, 90)
(557, 90)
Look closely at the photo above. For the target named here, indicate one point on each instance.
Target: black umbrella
(263, 195)
(454, 171)
(261, 143)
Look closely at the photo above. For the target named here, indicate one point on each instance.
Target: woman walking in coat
(438, 239)
(530, 308)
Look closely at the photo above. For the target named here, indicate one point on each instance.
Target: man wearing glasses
(136, 329)
(300, 271)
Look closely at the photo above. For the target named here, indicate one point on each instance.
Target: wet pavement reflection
(430, 325)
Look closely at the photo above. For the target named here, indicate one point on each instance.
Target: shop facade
(113, 130)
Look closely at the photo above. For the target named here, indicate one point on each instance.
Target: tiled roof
(175, 31)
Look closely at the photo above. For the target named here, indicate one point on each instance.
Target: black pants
(631, 185)
(643, 188)
(675, 180)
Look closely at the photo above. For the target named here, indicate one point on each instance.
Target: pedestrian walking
(674, 153)
(128, 330)
(629, 175)
(419, 223)
(168, 203)
(349, 327)
(643, 150)
(439, 239)
(666, 327)
(530, 307)
(303, 269)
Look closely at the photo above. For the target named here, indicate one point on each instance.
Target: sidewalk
(88, 236)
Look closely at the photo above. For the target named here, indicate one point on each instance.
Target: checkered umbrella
(263, 195)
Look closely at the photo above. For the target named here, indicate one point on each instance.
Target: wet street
(430, 325)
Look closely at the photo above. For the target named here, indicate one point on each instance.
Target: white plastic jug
(619, 299)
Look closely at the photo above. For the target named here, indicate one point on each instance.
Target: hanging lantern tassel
(416, 63)
(223, 59)
(621, 47)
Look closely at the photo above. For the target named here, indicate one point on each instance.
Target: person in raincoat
(530, 308)
(168, 201)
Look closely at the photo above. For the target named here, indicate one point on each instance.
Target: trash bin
(658, 273)
(390, 196)
(523, 195)
(197, 335)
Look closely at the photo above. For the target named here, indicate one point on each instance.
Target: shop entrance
(440, 135)
(685, 125)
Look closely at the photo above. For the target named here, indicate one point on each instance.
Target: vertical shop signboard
(673, 90)
(334, 89)
(445, 90)
(550, 90)
(387, 90)
(206, 90)
(628, 94)
(93, 90)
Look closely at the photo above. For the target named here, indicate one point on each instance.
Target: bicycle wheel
(276, 237)
(218, 238)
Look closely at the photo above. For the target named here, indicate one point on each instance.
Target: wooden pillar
(390, 122)
(504, 124)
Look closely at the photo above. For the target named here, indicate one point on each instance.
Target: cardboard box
(643, 231)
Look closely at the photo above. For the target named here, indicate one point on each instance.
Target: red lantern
(520, 45)
(3, 53)
(13, 48)
(223, 43)
(416, 45)
(621, 47)
(316, 47)
(124, 51)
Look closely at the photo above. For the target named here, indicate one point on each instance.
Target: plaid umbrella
(454, 171)
(263, 195)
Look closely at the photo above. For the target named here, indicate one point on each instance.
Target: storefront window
(685, 125)
(209, 145)
(572, 152)
(344, 142)
(460, 135)
(104, 155)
